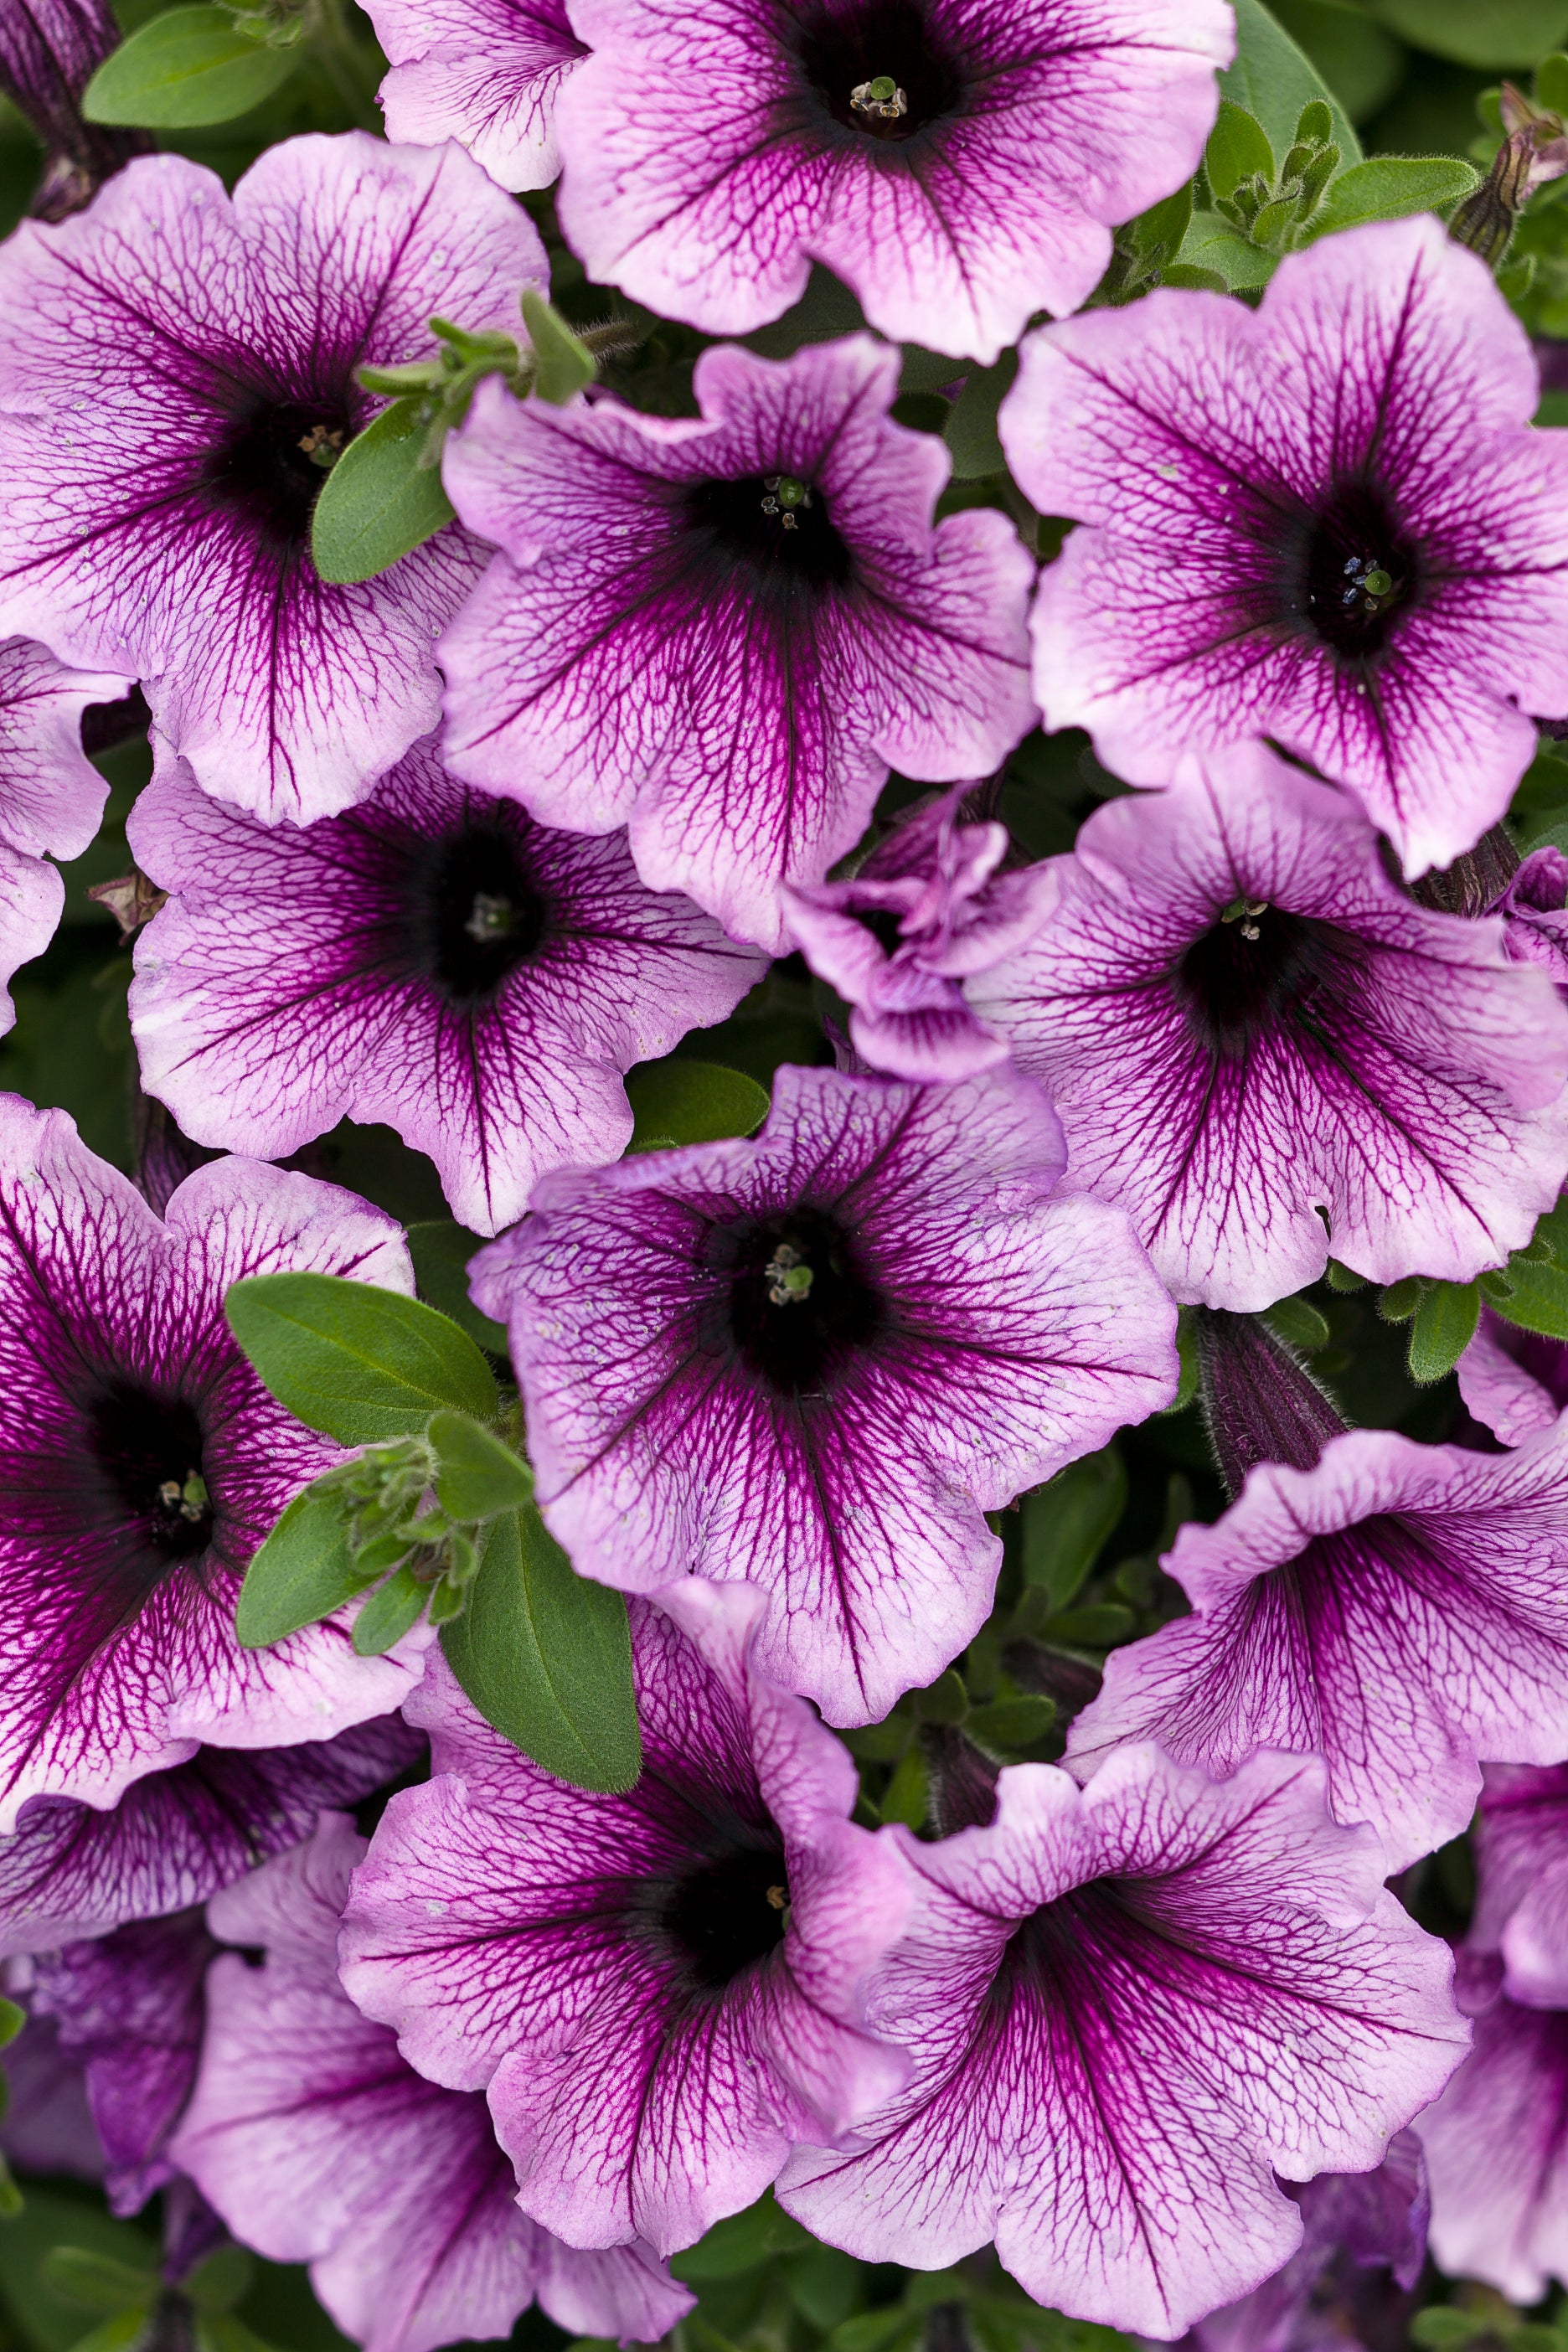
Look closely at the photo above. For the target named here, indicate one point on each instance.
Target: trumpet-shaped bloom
(961, 167)
(1328, 521)
(317, 2143)
(1128, 2008)
(1521, 1845)
(721, 632)
(925, 911)
(660, 1990)
(815, 1360)
(1264, 1050)
(484, 73)
(1401, 1610)
(141, 1462)
(69, 1871)
(434, 959)
(176, 368)
(51, 795)
(1534, 908)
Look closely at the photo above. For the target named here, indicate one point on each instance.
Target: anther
(881, 101)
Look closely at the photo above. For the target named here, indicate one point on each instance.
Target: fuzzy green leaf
(563, 363)
(1385, 187)
(546, 1657)
(1273, 79)
(691, 1102)
(480, 1475)
(184, 70)
(302, 1573)
(378, 502)
(1442, 1328)
(358, 1363)
(1237, 147)
(392, 1610)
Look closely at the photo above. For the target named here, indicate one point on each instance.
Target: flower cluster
(881, 682)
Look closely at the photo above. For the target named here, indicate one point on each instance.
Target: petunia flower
(319, 2144)
(959, 167)
(176, 372)
(484, 73)
(433, 958)
(51, 795)
(722, 632)
(1129, 2008)
(1534, 911)
(1497, 2155)
(141, 1462)
(1520, 1841)
(49, 50)
(1327, 521)
(47, 2124)
(927, 909)
(1401, 1610)
(1514, 1381)
(815, 1360)
(1264, 1050)
(661, 1991)
(69, 1871)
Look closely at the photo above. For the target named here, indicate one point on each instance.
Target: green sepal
(907, 1797)
(358, 1363)
(675, 1103)
(1299, 1324)
(1441, 1330)
(379, 503)
(946, 1701)
(187, 68)
(392, 1610)
(1399, 1302)
(302, 1572)
(479, 1474)
(1237, 148)
(1341, 1278)
(563, 363)
(545, 1655)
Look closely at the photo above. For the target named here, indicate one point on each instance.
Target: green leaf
(1274, 80)
(971, 434)
(908, 1795)
(441, 1251)
(378, 502)
(221, 2332)
(302, 1573)
(1010, 1723)
(546, 1657)
(358, 1363)
(1386, 186)
(392, 1610)
(691, 1102)
(94, 2281)
(126, 2332)
(1399, 1302)
(480, 1475)
(12, 2202)
(45, 2320)
(1359, 61)
(1067, 1522)
(12, 2020)
(183, 70)
(741, 2243)
(1551, 82)
(1442, 1328)
(1162, 228)
(1214, 244)
(224, 2279)
(1237, 147)
(1539, 1299)
(1094, 1628)
(563, 363)
(1299, 1323)
(1507, 33)
(946, 1701)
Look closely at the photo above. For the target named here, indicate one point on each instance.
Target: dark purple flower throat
(268, 466)
(850, 55)
(1349, 571)
(801, 1306)
(1260, 969)
(728, 1915)
(477, 914)
(144, 1467)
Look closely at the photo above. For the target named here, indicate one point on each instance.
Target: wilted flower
(49, 50)
(484, 73)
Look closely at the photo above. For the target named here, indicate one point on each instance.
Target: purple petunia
(1514, 1381)
(165, 530)
(1327, 521)
(51, 795)
(1128, 2009)
(815, 1359)
(960, 166)
(926, 910)
(69, 1871)
(319, 2144)
(1402, 1610)
(484, 73)
(660, 1992)
(721, 633)
(433, 958)
(1263, 1050)
(1534, 909)
(141, 1462)
(1520, 1841)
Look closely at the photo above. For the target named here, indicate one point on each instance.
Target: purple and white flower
(660, 1992)
(1401, 1610)
(815, 1360)
(1326, 521)
(959, 167)
(176, 366)
(433, 958)
(1534, 911)
(317, 2143)
(1128, 2008)
(1263, 1050)
(926, 910)
(484, 73)
(722, 632)
(141, 1462)
(49, 50)
(1521, 1845)
(51, 795)
(69, 1871)
(1514, 1381)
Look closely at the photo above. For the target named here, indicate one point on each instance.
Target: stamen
(881, 101)
(323, 445)
(1245, 911)
(190, 1501)
(491, 918)
(785, 494)
(788, 1276)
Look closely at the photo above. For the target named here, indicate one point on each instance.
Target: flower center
(730, 1914)
(1258, 968)
(481, 916)
(883, 923)
(799, 1306)
(774, 525)
(1350, 571)
(147, 1452)
(269, 469)
(877, 68)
